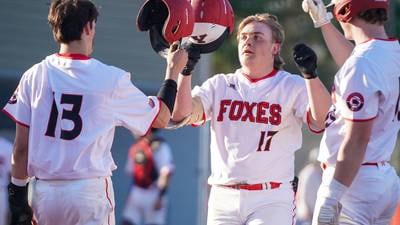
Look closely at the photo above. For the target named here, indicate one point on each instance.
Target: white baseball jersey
(365, 88)
(6, 149)
(255, 125)
(73, 104)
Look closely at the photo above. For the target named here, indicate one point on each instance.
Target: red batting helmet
(167, 20)
(345, 10)
(214, 21)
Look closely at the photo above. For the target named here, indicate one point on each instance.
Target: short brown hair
(67, 18)
(374, 16)
(278, 34)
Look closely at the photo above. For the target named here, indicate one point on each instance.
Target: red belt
(254, 187)
(324, 166)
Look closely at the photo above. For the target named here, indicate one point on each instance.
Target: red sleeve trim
(13, 118)
(109, 201)
(154, 119)
(360, 120)
(203, 122)
(309, 124)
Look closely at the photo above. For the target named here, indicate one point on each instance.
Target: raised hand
(306, 60)
(317, 11)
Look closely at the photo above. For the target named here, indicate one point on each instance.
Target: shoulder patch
(355, 101)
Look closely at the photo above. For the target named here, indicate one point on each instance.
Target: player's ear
(89, 27)
(276, 48)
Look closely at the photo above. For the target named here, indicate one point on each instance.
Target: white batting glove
(329, 212)
(317, 11)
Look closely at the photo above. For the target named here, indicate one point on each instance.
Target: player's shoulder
(220, 79)
(109, 69)
(289, 79)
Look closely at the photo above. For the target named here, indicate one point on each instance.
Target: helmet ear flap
(167, 21)
(152, 12)
(157, 41)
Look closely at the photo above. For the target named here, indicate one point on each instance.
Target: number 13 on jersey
(72, 115)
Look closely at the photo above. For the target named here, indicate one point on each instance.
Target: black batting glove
(193, 58)
(306, 60)
(21, 212)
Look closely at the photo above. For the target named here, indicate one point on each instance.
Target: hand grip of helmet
(193, 58)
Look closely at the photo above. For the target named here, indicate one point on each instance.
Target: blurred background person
(5, 171)
(150, 165)
(309, 180)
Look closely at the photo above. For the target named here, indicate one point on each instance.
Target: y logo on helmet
(355, 101)
(200, 38)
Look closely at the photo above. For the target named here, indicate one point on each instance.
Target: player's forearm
(319, 101)
(20, 153)
(163, 117)
(352, 151)
(339, 47)
(183, 102)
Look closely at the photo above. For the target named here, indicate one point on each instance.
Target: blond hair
(278, 34)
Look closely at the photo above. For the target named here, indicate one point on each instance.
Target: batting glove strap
(317, 11)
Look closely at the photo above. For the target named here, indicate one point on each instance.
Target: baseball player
(256, 115)
(66, 108)
(150, 165)
(5, 170)
(359, 186)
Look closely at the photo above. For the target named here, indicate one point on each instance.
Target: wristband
(167, 93)
(19, 182)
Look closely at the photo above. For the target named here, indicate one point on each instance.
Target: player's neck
(75, 47)
(257, 72)
(367, 32)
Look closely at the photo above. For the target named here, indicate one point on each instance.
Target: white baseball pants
(74, 202)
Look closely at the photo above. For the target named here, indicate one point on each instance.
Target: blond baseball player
(359, 186)
(5, 171)
(256, 115)
(66, 109)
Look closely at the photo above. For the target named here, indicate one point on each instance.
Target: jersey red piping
(73, 56)
(254, 80)
(309, 124)
(151, 124)
(360, 120)
(13, 118)
(109, 200)
(294, 208)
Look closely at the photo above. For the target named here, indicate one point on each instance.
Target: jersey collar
(380, 39)
(252, 80)
(73, 56)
